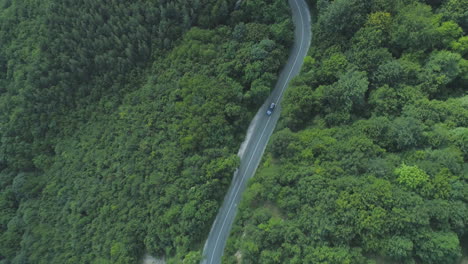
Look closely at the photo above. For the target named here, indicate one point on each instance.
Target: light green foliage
(449, 32)
(460, 46)
(370, 162)
(308, 63)
(411, 176)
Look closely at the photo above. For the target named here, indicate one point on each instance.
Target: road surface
(259, 133)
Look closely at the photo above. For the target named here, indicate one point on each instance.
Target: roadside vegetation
(369, 161)
(119, 122)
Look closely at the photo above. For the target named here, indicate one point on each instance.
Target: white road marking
(237, 192)
(261, 136)
(297, 56)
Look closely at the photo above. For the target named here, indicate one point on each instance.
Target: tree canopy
(119, 122)
(368, 163)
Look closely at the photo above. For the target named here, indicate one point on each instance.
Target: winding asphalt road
(259, 133)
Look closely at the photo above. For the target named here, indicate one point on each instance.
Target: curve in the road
(297, 55)
(216, 241)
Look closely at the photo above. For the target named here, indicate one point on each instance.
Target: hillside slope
(120, 123)
(369, 163)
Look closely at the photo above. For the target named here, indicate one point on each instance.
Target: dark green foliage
(456, 10)
(120, 122)
(345, 95)
(370, 163)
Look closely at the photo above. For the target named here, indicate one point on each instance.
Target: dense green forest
(369, 161)
(119, 121)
